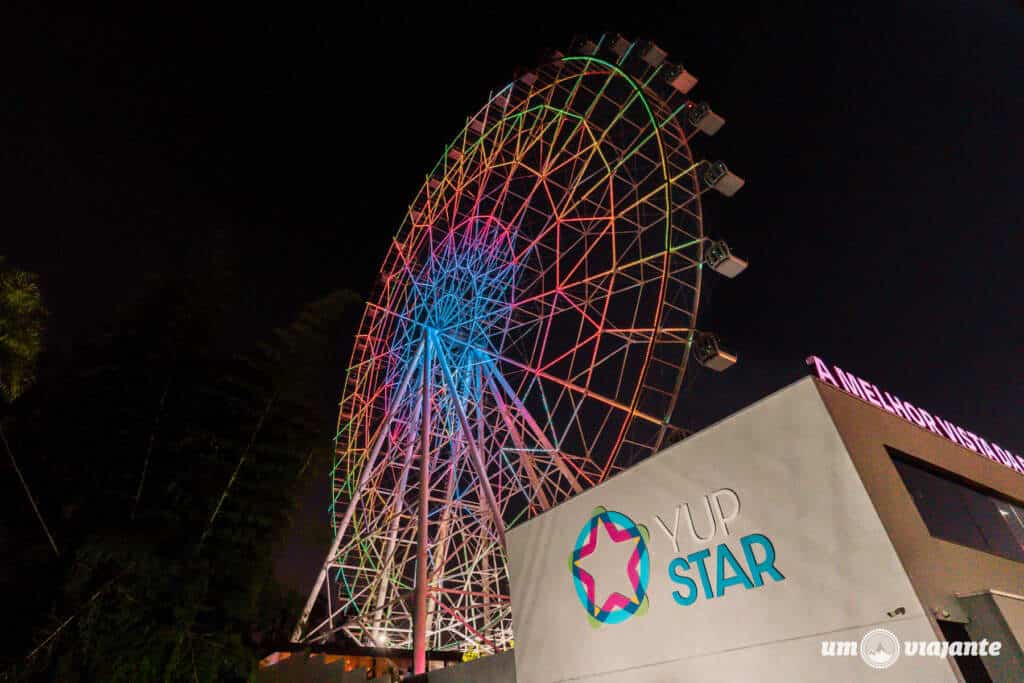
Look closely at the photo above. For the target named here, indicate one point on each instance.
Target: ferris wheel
(533, 321)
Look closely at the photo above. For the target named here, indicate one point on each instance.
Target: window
(957, 511)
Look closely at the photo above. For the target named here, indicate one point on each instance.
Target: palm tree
(21, 340)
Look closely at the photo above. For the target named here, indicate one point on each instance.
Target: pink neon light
(588, 581)
(865, 391)
(633, 570)
(615, 599)
(591, 543)
(617, 535)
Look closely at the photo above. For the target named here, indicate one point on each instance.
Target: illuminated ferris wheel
(534, 319)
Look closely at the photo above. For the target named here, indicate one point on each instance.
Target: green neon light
(650, 114)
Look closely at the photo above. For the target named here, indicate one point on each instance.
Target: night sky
(882, 145)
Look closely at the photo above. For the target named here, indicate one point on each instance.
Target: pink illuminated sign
(866, 391)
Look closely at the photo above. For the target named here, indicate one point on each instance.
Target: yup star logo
(608, 531)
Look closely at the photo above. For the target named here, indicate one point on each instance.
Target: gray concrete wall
(1012, 608)
(499, 668)
(302, 668)
(938, 569)
(786, 479)
(988, 621)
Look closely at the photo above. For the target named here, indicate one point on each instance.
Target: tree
(21, 341)
(22, 315)
(206, 446)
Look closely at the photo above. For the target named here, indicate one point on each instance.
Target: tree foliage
(21, 330)
(173, 461)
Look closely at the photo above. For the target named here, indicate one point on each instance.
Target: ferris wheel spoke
(476, 459)
(636, 94)
(552, 222)
(587, 155)
(601, 177)
(610, 272)
(597, 325)
(524, 453)
(572, 350)
(510, 167)
(350, 511)
(578, 389)
(441, 543)
(388, 559)
(560, 459)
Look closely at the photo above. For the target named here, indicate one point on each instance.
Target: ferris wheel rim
(387, 314)
(630, 409)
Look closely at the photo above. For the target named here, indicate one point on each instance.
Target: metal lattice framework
(530, 332)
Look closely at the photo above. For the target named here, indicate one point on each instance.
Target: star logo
(621, 590)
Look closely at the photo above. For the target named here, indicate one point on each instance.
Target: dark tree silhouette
(172, 462)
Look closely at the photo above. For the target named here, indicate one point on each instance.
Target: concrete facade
(808, 469)
(947, 577)
(499, 668)
(794, 484)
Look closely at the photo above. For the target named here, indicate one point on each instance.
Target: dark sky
(882, 145)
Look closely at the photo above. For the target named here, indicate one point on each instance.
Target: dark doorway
(971, 666)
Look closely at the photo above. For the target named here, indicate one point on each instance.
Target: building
(823, 533)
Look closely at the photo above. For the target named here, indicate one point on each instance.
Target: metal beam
(384, 588)
(517, 438)
(536, 429)
(419, 632)
(477, 459)
(371, 461)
